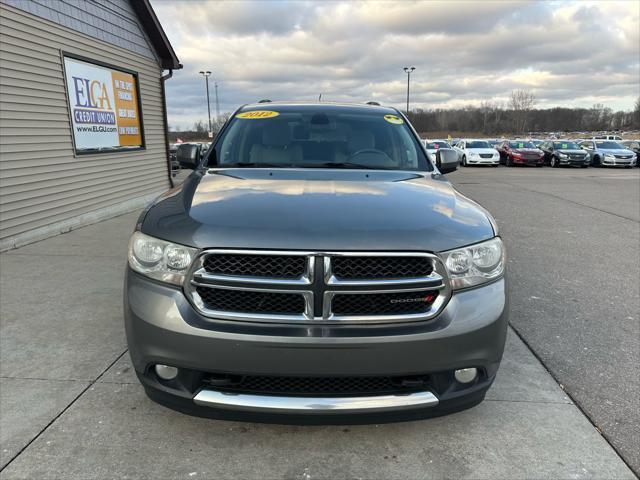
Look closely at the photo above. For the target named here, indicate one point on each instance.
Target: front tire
(596, 162)
(555, 163)
(509, 161)
(464, 161)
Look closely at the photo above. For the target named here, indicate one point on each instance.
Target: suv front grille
(362, 268)
(409, 302)
(316, 386)
(323, 288)
(248, 301)
(270, 266)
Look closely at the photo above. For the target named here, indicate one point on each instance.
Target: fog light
(166, 372)
(466, 375)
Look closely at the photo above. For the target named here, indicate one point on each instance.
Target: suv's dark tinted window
(314, 137)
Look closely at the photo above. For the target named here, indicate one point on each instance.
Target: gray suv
(316, 267)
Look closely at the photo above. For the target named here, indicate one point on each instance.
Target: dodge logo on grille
(426, 299)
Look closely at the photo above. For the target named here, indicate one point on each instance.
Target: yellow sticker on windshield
(394, 119)
(257, 114)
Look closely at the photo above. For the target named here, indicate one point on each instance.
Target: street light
(408, 71)
(206, 75)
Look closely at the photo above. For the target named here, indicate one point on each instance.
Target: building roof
(159, 40)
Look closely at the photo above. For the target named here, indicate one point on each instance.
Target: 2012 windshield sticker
(394, 119)
(258, 114)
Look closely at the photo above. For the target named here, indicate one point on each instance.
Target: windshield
(611, 145)
(478, 144)
(317, 136)
(521, 144)
(566, 146)
(437, 145)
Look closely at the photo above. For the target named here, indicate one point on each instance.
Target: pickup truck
(316, 267)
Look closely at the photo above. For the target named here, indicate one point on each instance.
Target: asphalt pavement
(70, 406)
(573, 240)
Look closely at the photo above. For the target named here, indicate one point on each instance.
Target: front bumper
(483, 161)
(528, 161)
(163, 328)
(618, 162)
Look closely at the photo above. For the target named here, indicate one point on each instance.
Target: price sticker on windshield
(394, 119)
(258, 114)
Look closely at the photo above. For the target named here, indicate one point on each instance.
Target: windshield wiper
(252, 165)
(343, 165)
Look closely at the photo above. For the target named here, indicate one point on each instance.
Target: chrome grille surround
(318, 286)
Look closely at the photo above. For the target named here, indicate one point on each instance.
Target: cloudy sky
(568, 53)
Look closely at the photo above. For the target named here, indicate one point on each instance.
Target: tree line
(519, 116)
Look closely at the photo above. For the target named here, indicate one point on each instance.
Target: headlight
(609, 155)
(473, 154)
(159, 259)
(475, 265)
(563, 155)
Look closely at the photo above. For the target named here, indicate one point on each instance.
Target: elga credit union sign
(103, 102)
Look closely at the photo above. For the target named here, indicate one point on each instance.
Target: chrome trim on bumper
(314, 405)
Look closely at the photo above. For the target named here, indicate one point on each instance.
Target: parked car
(477, 152)
(175, 166)
(520, 152)
(432, 147)
(607, 153)
(325, 279)
(634, 146)
(564, 152)
(615, 138)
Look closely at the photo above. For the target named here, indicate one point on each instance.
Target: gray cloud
(464, 52)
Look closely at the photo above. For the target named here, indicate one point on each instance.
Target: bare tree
(522, 102)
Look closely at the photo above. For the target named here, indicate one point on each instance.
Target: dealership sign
(104, 107)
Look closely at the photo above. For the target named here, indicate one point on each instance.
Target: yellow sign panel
(258, 114)
(394, 119)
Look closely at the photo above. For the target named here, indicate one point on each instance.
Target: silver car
(605, 153)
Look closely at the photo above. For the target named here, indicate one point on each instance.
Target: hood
(567, 150)
(537, 151)
(482, 150)
(306, 209)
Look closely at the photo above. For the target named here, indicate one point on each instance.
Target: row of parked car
(595, 152)
(173, 150)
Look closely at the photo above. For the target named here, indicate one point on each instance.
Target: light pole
(408, 71)
(217, 103)
(206, 75)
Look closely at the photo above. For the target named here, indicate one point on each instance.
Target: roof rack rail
(265, 100)
(375, 104)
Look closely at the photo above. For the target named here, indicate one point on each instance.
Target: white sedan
(477, 152)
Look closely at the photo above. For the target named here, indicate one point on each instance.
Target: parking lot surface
(572, 237)
(71, 407)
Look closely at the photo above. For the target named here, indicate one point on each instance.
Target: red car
(520, 152)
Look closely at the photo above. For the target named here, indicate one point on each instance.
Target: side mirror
(188, 156)
(447, 160)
